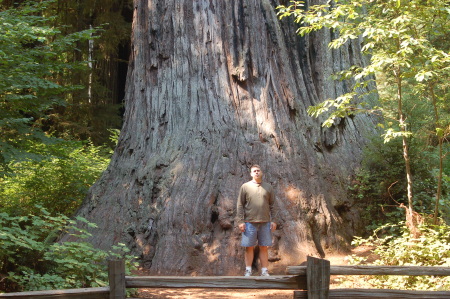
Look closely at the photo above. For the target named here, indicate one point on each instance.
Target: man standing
(255, 207)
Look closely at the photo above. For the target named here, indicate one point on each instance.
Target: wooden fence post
(317, 278)
(116, 273)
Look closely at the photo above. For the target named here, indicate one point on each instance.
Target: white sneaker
(265, 273)
(248, 272)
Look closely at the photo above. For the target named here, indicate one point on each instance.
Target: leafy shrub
(56, 176)
(432, 248)
(32, 259)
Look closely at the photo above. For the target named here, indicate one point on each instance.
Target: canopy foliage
(408, 46)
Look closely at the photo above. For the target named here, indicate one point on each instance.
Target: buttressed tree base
(214, 86)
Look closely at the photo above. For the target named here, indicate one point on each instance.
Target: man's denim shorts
(256, 233)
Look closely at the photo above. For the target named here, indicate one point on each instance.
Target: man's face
(256, 173)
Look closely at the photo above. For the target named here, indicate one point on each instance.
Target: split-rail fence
(310, 282)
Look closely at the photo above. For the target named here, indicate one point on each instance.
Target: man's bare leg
(264, 256)
(249, 253)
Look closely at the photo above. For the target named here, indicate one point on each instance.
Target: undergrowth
(431, 248)
(32, 258)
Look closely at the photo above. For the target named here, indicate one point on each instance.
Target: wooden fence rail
(279, 282)
(87, 293)
(308, 282)
(377, 270)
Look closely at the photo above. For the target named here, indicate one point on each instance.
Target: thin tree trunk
(441, 154)
(213, 87)
(410, 214)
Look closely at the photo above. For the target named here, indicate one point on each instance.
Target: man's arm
(273, 211)
(240, 209)
(273, 226)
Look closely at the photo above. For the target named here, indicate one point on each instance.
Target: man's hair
(255, 166)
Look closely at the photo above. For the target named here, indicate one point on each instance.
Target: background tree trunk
(214, 86)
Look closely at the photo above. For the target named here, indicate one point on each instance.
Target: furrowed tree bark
(214, 86)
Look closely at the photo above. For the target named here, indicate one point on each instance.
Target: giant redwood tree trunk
(214, 86)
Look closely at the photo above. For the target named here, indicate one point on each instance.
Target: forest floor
(362, 251)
